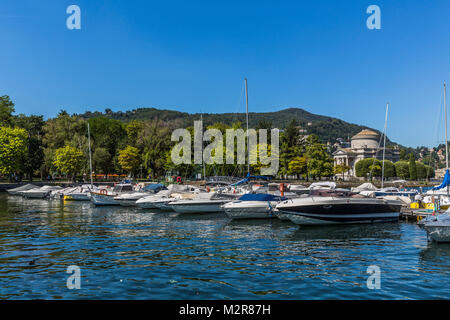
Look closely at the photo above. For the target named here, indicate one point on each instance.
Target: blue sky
(193, 55)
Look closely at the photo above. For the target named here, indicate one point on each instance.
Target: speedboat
(59, 194)
(298, 189)
(16, 191)
(252, 205)
(158, 200)
(364, 187)
(39, 193)
(106, 197)
(438, 227)
(163, 203)
(339, 208)
(390, 191)
(129, 199)
(82, 193)
(202, 203)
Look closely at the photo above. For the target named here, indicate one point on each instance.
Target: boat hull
(126, 202)
(250, 210)
(207, 207)
(328, 211)
(36, 195)
(438, 233)
(77, 197)
(103, 199)
(163, 206)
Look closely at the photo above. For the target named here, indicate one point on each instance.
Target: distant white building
(363, 145)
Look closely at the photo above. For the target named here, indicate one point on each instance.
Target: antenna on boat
(90, 157)
(384, 144)
(248, 144)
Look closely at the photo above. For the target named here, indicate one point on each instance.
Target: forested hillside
(327, 128)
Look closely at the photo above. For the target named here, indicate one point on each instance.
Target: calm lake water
(129, 253)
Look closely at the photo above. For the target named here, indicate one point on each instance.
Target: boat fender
(103, 191)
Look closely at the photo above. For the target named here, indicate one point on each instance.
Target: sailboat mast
(384, 144)
(90, 157)
(248, 144)
(203, 162)
(446, 139)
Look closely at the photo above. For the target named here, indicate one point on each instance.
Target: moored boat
(252, 206)
(438, 227)
(16, 191)
(106, 198)
(341, 209)
(39, 193)
(129, 199)
(202, 203)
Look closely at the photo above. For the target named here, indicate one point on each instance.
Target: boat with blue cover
(253, 206)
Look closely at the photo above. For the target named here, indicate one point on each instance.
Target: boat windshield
(260, 197)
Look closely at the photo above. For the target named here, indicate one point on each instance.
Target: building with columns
(363, 145)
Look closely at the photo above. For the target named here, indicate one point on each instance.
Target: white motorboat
(59, 194)
(129, 199)
(298, 189)
(157, 200)
(438, 227)
(202, 203)
(39, 193)
(364, 187)
(389, 191)
(252, 206)
(81, 193)
(163, 203)
(339, 209)
(105, 197)
(16, 191)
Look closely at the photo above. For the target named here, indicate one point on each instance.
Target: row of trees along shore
(32, 147)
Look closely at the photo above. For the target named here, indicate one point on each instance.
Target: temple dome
(365, 139)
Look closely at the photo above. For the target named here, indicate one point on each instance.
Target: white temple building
(363, 145)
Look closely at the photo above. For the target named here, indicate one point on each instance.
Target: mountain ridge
(329, 129)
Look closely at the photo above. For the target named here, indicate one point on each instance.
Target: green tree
(430, 172)
(101, 160)
(298, 166)
(320, 164)
(33, 160)
(6, 111)
(129, 159)
(369, 167)
(389, 169)
(13, 147)
(412, 167)
(402, 169)
(341, 169)
(69, 160)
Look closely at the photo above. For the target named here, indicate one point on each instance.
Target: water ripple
(128, 253)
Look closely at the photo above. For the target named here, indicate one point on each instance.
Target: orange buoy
(282, 189)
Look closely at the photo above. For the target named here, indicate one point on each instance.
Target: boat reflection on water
(435, 253)
(379, 231)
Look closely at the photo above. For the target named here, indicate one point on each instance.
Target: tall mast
(203, 162)
(446, 139)
(90, 157)
(248, 144)
(384, 144)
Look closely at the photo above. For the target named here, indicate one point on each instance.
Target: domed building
(364, 145)
(365, 139)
